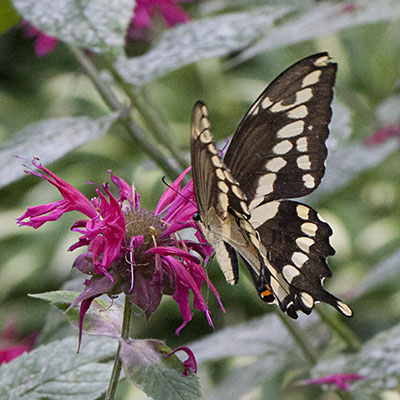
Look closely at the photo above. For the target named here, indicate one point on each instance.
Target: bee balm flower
(130, 249)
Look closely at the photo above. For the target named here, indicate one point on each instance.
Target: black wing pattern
(277, 153)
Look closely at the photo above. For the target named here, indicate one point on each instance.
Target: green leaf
(267, 348)
(49, 140)
(60, 298)
(102, 318)
(320, 20)
(95, 25)
(8, 16)
(57, 372)
(206, 38)
(378, 361)
(266, 335)
(247, 378)
(159, 377)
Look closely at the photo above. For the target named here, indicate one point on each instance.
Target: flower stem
(345, 333)
(151, 116)
(150, 147)
(116, 371)
(299, 339)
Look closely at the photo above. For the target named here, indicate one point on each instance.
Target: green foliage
(8, 16)
(50, 109)
(56, 371)
(90, 25)
(52, 139)
(159, 377)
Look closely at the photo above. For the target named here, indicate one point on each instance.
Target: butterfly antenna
(177, 192)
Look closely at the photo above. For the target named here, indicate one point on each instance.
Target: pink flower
(11, 346)
(340, 380)
(190, 363)
(383, 134)
(44, 44)
(145, 10)
(170, 10)
(130, 249)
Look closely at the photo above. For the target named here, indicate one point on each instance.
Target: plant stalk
(345, 333)
(299, 339)
(151, 117)
(151, 148)
(116, 371)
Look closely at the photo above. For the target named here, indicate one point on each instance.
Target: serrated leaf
(49, 140)
(103, 318)
(159, 377)
(378, 361)
(60, 298)
(8, 16)
(96, 25)
(320, 20)
(57, 372)
(196, 40)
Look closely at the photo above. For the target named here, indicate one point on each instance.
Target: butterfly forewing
(223, 211)
(285, 132)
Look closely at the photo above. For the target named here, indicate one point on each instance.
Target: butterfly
(277, 153)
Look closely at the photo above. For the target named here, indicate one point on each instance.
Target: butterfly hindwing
(297, 240)
(285, 131)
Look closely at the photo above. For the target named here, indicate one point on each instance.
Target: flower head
(340, 380)
(131, 249)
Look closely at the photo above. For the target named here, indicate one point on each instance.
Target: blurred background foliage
(364, 214)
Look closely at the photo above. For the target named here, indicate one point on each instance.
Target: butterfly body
(277, 153)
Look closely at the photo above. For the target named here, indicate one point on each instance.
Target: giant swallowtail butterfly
(277, 153)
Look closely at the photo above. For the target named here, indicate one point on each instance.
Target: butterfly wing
(278, 152)
(223, 213)
(285, 132)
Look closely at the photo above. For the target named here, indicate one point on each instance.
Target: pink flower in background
(145, 10)
(130, 249)
(11, 346)
(170, 10)
(43, 43)
(383, 134)
(340, 380)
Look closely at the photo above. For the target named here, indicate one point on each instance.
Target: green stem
(116, 371)
(151, 116)
(149, 147)
(299, 339)
(345, 333)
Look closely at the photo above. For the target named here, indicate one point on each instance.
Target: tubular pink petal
(171, 192)
(166, 251)
(340, 380)
(190, 363)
